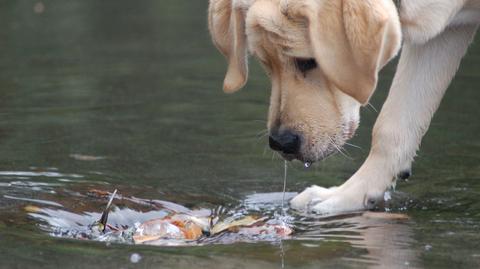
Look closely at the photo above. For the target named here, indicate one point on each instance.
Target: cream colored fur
(351, 41)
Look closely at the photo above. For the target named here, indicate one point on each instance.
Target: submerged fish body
(140, 221)
(157, 229)
(177, 228)
(230, 224)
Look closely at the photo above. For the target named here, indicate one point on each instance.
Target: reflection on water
(37, 174)
(373, 239)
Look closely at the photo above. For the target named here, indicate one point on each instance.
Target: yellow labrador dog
(323, 59)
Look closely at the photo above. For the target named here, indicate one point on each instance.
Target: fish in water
(178, 227)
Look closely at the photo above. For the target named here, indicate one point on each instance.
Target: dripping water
(284, 187)
(284, 211)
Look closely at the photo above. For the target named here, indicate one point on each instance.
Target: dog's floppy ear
(227, 27)
(352, 40)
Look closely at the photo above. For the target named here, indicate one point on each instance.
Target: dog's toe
(337, 204)
(312, 195)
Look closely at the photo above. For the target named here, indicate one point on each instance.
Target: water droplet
(307, 164)
(135, 258)
(387, 196)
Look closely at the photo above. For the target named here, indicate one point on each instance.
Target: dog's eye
(305, 65)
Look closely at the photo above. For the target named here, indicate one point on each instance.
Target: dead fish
(229, 224)
(170, 228)
(156, 229)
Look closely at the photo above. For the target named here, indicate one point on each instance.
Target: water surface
(127, 95)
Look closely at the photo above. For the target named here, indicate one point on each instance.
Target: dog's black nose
(285, 142)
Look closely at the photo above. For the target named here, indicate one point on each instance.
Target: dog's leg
(422, 20)
(423, 74)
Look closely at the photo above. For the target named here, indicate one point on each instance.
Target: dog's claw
(371, 203)
(406, 174)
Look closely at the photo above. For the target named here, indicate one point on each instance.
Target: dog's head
(323, 58)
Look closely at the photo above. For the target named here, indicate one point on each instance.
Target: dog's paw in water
(310, 196)
(354, 195)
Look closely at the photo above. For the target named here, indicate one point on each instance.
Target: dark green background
(139, 83)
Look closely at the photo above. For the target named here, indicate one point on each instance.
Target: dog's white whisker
(265, 150)
(352, 145)
(262, 136)
(262, 132)
(372, 107)
(339, 149)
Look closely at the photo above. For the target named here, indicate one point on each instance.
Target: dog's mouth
(308, 161)
(321, 151)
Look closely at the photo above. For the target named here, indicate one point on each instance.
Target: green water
(138, 83)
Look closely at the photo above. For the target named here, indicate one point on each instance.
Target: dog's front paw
(310, 196)
(339, 203)
(349, 198)
(355, 195)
